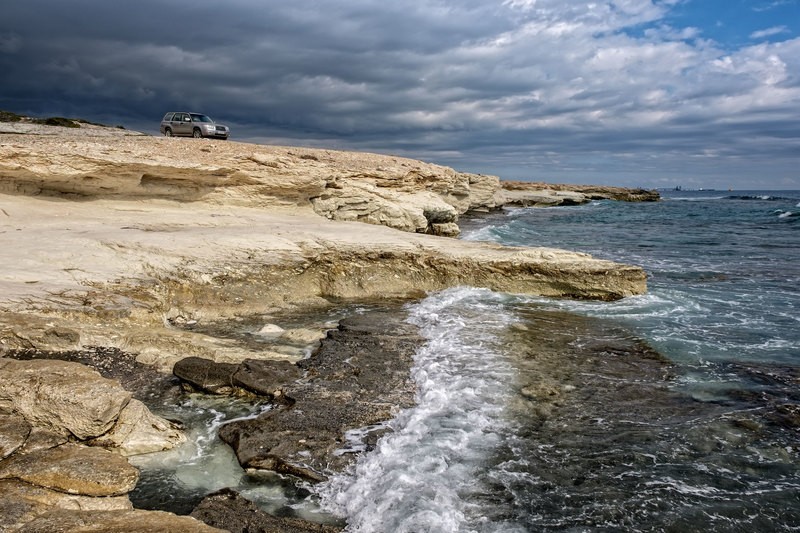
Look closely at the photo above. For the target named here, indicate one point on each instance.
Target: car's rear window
(167, 117)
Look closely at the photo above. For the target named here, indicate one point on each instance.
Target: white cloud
(769, 32)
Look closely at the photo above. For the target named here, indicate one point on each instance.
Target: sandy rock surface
(122, 240)
(67, 398)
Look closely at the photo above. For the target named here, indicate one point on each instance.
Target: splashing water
(418, 478)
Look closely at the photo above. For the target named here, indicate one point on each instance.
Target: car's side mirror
(187, 119)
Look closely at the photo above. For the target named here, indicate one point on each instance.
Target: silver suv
(192, 125)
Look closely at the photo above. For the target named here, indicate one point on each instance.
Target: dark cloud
(577, 91)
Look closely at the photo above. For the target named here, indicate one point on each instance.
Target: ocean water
(678, 410)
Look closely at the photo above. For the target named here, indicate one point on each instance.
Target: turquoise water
(677, 410)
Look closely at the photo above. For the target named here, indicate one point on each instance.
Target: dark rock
(228, 510)
(357, 378)
(266, 377)
(206, 375)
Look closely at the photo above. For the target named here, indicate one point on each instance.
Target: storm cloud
(580, 91)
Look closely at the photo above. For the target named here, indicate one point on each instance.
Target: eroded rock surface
(133, 521)
(538, 194)
(232, 512)
(73, 469)
(358, 378)
(65, 397)
(125, 241)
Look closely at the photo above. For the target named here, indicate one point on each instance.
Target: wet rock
(228, 510)
(14, 431)
(358, 377)
(135, 521)
(266, 377)
(786, 415)
(139, 431)
(21, 502)
(65, 397)
(206, 375)
(73, 469)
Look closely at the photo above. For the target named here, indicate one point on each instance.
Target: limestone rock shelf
(106, 239)
(117, 243)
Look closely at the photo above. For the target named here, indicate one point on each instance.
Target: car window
(196, 117)
(167, 117)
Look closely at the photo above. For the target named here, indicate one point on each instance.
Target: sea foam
(420, 477)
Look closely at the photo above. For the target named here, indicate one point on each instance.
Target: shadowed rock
(359, 377)
(228, 510)
(267, 378)
(206, 375)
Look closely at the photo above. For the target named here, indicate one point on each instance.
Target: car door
(181, 124)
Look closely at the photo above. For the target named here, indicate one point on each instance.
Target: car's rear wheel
(168, 132)
(196, 133)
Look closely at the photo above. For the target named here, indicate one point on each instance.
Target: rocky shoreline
(122, 252)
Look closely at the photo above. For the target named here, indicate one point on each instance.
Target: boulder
(73, 469)
(228, 510)
(264, 377)
(139, 431)
(66, 397)
(206, 375)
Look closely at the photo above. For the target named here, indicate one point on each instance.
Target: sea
(676, 411)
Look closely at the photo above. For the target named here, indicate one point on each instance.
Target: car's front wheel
(196, 133)
(168, 132)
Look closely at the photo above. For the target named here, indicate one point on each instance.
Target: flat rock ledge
(118, 241)
(539, 194)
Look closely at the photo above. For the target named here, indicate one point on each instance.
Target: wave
(695, 198)
(762, 198)
(419, 477)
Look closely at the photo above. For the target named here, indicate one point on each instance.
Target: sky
(651, 93)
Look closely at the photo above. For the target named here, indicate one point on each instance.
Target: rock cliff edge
(107, 238)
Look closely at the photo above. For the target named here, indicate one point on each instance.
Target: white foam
(420, 476)
(485, 233)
